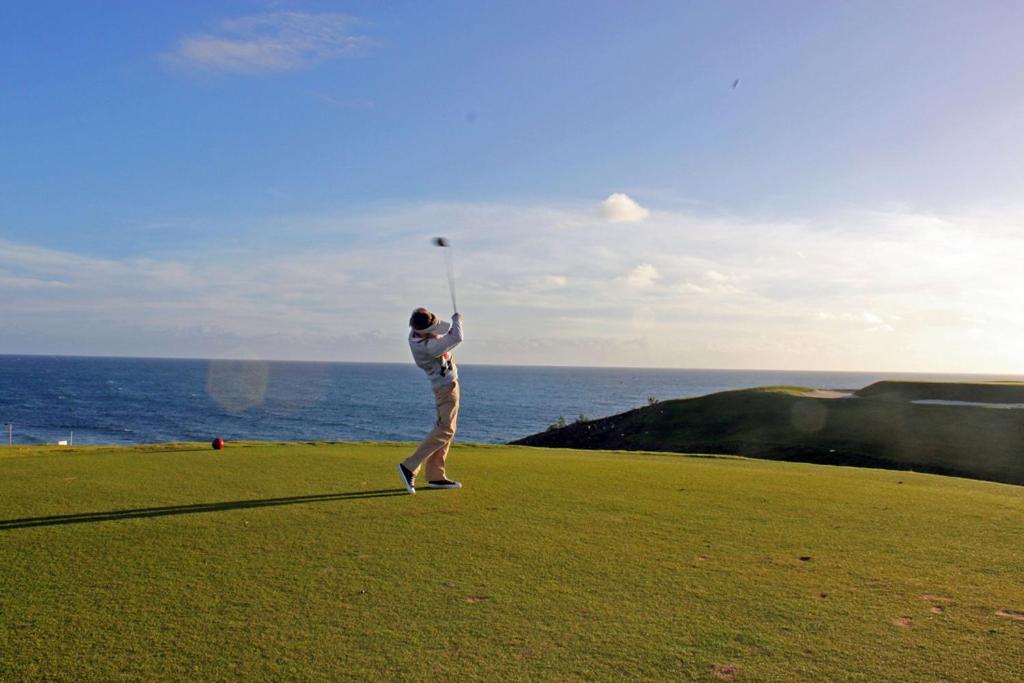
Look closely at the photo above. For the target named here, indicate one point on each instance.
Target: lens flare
(237, 385)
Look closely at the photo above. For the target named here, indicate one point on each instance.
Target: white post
(10, 434)
(71, 439)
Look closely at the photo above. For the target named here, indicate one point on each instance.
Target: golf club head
(443, 242)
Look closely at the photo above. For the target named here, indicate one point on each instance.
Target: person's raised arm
(447, 342)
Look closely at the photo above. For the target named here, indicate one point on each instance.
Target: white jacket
(433, 355)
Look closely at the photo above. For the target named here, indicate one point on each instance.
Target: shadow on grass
(114, 515)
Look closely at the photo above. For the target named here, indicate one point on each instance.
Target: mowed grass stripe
(277, 561)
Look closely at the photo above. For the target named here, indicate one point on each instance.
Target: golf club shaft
(451, 277)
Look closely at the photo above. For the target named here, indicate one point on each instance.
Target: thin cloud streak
(278, 41)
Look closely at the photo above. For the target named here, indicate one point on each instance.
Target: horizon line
(514, 365)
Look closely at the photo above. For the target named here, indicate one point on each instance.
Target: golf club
(446, 245)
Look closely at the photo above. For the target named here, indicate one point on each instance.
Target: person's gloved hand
(455, 315)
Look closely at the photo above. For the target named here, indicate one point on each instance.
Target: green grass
(149, 564)
(783, 423)
(981, 392)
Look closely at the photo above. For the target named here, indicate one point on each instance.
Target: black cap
(422, 319)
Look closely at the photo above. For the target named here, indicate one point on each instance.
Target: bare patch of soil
(724, 672)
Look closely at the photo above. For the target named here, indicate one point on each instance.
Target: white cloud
(621, 208)
(555, 281)
(18, 282)
(277, 41)
(538, 283)
(643, 275)
(871, 318)
(690, 288)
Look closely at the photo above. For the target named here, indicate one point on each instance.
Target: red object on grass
(218, 443)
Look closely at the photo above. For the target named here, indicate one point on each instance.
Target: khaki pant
(434, 448)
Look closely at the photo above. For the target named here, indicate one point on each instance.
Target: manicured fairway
(308, 562)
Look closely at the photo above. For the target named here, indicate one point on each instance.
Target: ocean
(142, 400)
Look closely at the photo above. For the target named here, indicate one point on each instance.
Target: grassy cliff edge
(879, 426)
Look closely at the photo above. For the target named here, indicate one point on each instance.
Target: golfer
(431, 340)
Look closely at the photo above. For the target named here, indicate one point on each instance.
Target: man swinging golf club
(431, 341)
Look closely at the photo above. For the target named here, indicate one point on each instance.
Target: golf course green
(878, 426)
(309, 562)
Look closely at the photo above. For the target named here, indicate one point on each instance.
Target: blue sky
(260, 179)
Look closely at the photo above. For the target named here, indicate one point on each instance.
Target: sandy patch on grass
(474, 599)
(940, 402)
(1011, 614)
(828, 393)
(904, 621)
